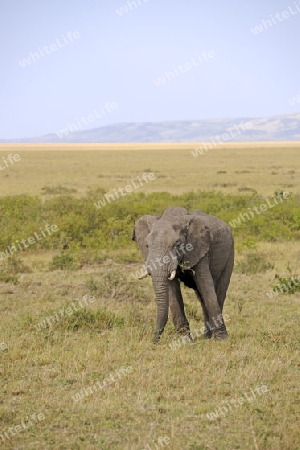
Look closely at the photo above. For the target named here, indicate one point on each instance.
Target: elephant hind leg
(224, 280)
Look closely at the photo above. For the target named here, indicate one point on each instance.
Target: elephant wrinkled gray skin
(194, 248)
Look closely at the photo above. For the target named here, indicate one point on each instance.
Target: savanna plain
(78, 367)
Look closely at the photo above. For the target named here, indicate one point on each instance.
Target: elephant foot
(156, 336)
(220, 334)
(207, 334)
(186, 334)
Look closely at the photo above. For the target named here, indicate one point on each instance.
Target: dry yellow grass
(260, 167)
(168, 393)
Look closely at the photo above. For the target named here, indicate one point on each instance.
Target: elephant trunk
(160, 285)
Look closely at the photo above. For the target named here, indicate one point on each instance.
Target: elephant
(195, 248)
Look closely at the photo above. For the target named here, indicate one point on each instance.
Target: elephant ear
(141, 230)
(199, 236)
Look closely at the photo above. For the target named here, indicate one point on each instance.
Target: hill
(274, 128)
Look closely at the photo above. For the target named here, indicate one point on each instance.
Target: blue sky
(116, 59)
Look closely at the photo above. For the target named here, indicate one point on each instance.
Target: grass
(57, 190)
(169, 392)
(165, 392)
(79, 167)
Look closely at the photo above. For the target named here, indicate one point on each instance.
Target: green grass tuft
(98, 320)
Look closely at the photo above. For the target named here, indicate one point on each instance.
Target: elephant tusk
(144, 275)
(172, 276)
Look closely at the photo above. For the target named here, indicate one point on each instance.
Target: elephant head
(176, 239)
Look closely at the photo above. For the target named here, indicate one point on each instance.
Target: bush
(99, 320)
(289, 285)
(58, 190)
(254, 263)
(114, 285)
(64, 261)
(11, 268)
(83, 226)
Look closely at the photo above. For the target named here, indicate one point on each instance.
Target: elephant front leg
(207, 334)
(180, 321)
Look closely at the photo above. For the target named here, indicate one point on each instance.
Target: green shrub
(91, 285)
(83, 226)
(254, 263)
(58, 190)
(289, 285)
(99, 320)
(10, 268)
(64, 261)
(115, 285)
